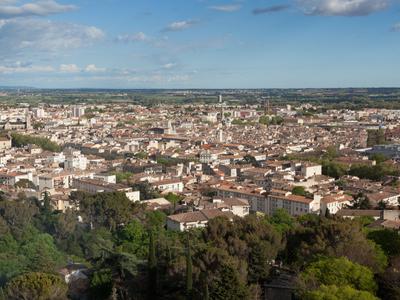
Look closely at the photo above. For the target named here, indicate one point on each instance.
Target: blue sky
(199, 43)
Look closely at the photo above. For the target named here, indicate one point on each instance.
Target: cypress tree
(189, 271)
(152, 266)
(204, 280)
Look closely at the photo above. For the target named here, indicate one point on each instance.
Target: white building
(5, 143)
(74, 160)
(94, 186)
(335, 202)
(309, 170)
(169, 185)
(56, 158)
(38, 112)
(13, 177)
(196, 219)
(78, 111)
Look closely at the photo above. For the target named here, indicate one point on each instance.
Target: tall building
(220, 98)
(78, 111)
(38, 112)
(28, 120)
(74, 160)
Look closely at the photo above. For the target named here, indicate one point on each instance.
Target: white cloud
(38, 8)
(24, 68)
(180, 25)
(343, 7)
(69, 68)
(27, 36)
(136, 37)
(92, 68)
(169, 66)
(396, 27)
(226, 8)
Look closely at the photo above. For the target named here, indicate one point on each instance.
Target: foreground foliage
(131, 255)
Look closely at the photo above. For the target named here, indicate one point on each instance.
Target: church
(18, 124)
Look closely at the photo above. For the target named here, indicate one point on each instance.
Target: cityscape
(199, 150)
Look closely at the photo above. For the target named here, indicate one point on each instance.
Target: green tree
(361, 201)
(331, 152)
(376, 137)
(333, 169)
(388, 239)
(189, 271)
(20, 140)
(333, 292)
(36, 286)
(174, 199)
(146, 190)
(332, 237)
(389, 281)
(299, 190)
(101, 284)
(17, 215)
(228, 286)
(339, 272)
(25, 183)
(133, 238)
(251, 239)
(152, 267)
(379, 157)
(41, 253)
(108, 209)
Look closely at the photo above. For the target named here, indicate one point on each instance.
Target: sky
(199, 43)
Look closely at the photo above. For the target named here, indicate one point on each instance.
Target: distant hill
(13, 88)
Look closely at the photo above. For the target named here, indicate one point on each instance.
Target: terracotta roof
(386, 224)
(380, 196)
(337, 198)
(199, 216)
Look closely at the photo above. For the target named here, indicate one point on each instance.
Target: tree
(228, 286)
(333, 292)
(152, 267)
(339, 272)
(251, 239)
(97, 244)
(174, 199)
(332, 237)
(282, 221)
(376, 137)
(249, 159)
(42, 253)
(333, 169)
(20, 140)
(101, 284)
(377, 172)
(108, 209)
(146, 190)
(299, 190)
(388, 239)
(25, 183)
(360, 201)
(17, 215)
(155, 219)
(379, 157)
(134, 238)
(389, 281)
(36, 286)
(189, 271)
(267, 120)
(331, 152)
